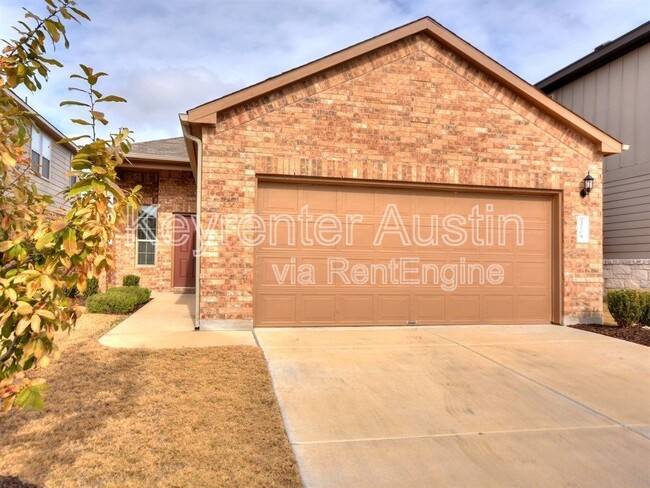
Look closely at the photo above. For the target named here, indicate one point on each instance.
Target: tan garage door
(401, 257)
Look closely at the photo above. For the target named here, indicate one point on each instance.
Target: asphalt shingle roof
(173, 147)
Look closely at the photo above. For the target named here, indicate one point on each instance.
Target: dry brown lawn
(143, 418)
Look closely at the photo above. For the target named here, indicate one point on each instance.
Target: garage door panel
(532, 274)
(361, 237)
(276, 309)
(319, 200)
(428, 308)
(498, 308)
(359, 202)
(530, 308)
(500, 204)
(460, 206)
(278, 198)
(281, 233)
(522, 297)
(355, 308)
(392, 309)
(426, 203)
(272, 270)
(463, 308)
(398, 199)
(536, 242)
(508, 275)
(533, 209)
(318, 309)
(391, 239)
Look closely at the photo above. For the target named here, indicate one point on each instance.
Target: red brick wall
(412, 111)
(173, 192)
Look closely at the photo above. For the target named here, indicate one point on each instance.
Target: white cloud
(166, 57)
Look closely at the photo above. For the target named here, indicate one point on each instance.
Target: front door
(184, 246)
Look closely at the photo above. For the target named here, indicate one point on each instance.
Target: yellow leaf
(58, 225)
(5, 316)
(23, 308)
(44, 362)
(11, 294)
(39, 349)
(36, 323)
(70, 242)
(66, 263)
(81, 283)
(22, 325)
(46, 314)
(8, 160)
(46, 283)
(6, 245)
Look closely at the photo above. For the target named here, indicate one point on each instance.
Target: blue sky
(168, 56)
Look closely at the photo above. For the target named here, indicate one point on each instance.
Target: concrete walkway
(507, 406)
(167, 321)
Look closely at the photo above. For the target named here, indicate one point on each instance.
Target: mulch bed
(637, 334)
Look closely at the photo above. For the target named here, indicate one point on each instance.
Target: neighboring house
(610, 87)
(415, 118)
(50, 161)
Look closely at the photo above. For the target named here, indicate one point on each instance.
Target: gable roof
(603, 54)
(206, 113)
(160, 154)
(170, 149)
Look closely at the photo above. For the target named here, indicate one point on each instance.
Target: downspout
(199, 169)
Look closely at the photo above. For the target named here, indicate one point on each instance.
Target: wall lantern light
(588, 185)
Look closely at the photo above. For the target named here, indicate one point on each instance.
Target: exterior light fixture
(588, 185)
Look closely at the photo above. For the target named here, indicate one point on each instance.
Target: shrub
(112, 303)
(92, 287)
(121, 300)
(131, 280)
(644, 296)
(142, 294)
(625, 306)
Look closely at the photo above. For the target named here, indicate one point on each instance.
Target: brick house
(416, 121)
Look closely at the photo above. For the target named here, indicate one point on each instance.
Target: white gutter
(197, 226)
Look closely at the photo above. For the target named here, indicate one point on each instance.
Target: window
(146, 235)
(73, 178)
(41, 153)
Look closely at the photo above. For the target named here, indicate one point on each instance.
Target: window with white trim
(41, 146)
(73, 178)
(147, 230)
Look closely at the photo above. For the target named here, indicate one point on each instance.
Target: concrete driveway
(463, 406)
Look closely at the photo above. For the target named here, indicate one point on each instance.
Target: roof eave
(158, 157)
(618, 47)
(42, 123)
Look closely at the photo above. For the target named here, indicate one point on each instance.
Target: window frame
(153, 241)
(72, 179)
(44, 144)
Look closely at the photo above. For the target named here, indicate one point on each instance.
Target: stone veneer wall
(173, 192)
(626, 273)
(411, 112)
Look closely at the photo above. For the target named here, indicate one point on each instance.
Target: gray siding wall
(616, 98)
(59, 167)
